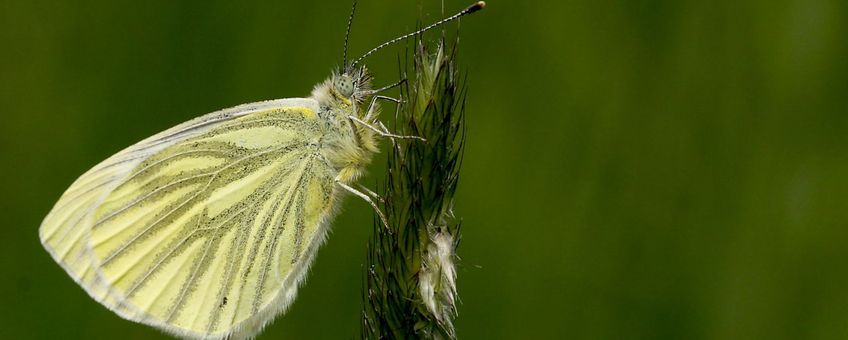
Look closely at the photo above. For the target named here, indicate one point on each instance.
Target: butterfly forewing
(200, 230)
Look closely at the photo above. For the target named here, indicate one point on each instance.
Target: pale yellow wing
(206, 229)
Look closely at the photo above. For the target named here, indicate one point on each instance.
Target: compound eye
(344, 84)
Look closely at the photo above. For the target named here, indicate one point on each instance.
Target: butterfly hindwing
(205, 229)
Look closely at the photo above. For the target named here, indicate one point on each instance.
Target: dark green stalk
(410, 289)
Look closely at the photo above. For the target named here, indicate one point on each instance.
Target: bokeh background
(635, 169)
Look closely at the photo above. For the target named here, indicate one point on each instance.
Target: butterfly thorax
(346, 145)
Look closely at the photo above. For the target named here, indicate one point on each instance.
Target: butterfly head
(353, 84)
(344, 85)
(344, 89)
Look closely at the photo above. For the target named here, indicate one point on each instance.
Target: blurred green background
(635, 169)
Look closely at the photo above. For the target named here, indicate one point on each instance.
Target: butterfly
(205, 230)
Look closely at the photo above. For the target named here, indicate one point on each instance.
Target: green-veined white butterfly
(205, 230)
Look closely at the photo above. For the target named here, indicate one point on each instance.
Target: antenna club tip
(476, 7)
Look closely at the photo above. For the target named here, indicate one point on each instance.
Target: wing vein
(125, 245)
(272, 245)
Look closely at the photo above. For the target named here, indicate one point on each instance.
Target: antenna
(347, 33)
(471, 9)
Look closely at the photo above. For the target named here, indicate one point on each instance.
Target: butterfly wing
(206, 229)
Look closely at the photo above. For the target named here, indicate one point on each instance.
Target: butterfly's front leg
(372, 108)
(381, 132)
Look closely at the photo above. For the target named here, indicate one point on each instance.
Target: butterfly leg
(381, 132)
(386, 130)
(371, 112)
(367, 199)
(373, 195)
(399, 83)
